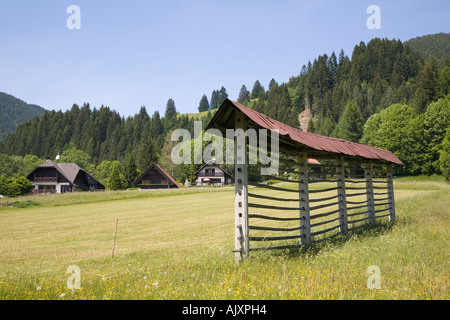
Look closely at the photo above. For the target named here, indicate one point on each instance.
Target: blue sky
(133, 53)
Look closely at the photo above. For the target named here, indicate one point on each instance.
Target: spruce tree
(131, 172)
(350, 126)
(204, 104)
(214, 100)
(256, 90)
(115, 183)
(244, 95)
(427, 89)
(222, 96)
(171, 110)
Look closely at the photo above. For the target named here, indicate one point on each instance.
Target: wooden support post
(342, 198)
(370, 195)
(305, 226)
(390, 190)
(241, 192)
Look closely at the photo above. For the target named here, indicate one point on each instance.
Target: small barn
(155, 177)
(348, 185)
(53, 177)
(212, 174)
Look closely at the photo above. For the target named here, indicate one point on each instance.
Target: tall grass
(177, 245)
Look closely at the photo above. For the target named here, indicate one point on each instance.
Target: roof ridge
(307, 139)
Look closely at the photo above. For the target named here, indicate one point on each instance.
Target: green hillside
(437, 45)
(14, 111)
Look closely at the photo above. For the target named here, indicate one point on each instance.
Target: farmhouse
(53, 177)
(212, 174)
(155, 177)
(349, 186)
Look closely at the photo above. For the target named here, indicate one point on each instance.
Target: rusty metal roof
(224, 119)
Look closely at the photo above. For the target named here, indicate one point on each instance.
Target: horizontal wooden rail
(323, 199)
(324, 231)
(356, 207)
(270, 198)
(381, 199)
(324, 222)
(382, 204)
(263, 206)
(260, 216)
(378, 181)
(356, 202)
(355, 194)
(355, 181)
(324, 180)
(323, 190)
(293, 246)
(321, 215)
(273, 229)
(355, 188)
(274, 238)
(324, 205)
(356, 213)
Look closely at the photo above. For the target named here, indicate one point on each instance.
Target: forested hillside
(14, 111)
(384, 85)
(437, 45)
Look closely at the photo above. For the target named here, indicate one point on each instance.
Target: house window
(47, 187)
(209, 171)
(49, 174)
(155, 182)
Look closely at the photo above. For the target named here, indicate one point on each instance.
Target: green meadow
(176, 244)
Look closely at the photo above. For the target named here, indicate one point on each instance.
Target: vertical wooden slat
(390, 190)
(241, 192)
(305, 226)
(370, 195)
(342, 198)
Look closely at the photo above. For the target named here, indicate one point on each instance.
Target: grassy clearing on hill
(176, 244)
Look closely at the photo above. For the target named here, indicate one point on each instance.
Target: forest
(387, 94)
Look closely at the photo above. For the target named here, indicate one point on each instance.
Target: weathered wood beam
(241, 193)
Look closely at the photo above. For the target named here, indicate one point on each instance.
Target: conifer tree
(256, 90)
(115, 182)
(222, 96)
(171, 110)
(427, 89)
(131, 172)
(214, 100)
(350, 126)
(204, 104)
(244, 95)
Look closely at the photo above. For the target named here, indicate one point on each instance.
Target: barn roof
(294, 139)
(212, 163)
(156, 166)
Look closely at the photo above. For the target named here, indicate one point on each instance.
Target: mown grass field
(176, 244)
